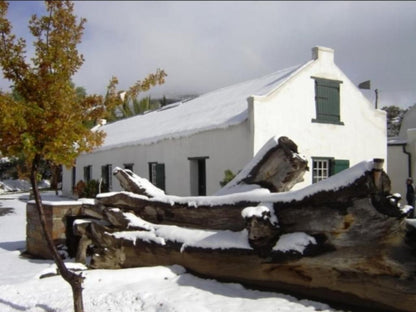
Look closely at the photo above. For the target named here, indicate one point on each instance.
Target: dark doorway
(202, 178)
(198, 177)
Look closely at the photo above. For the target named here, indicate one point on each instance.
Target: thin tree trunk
(75, 280)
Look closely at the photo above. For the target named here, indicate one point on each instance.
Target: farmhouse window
(129, 166)
(327, 101)
(324, 167)
(87, 173)
(106, 181)
(157, 175)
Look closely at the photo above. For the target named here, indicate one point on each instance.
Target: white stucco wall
(398, 162)
(398, 169)
(290, 109)
(225, 149)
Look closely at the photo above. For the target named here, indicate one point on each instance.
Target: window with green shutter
(324, 167)
(327, 101)
(337, 165)
(157, 175)
(320, 169)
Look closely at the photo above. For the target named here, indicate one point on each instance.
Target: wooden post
(377, 171)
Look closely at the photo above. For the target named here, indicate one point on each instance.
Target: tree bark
(360, 248)
(279, 169)
(227, 216)
(75, 280)
(346, 241)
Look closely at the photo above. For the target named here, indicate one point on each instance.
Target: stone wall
(56, 217)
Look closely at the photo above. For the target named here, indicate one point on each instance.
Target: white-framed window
(320, 169)
(324, 167)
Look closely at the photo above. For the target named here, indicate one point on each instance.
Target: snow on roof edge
(177, 135)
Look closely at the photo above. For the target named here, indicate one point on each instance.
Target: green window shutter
(338, 165)
(87, 173)
(104, 173)
(106, 178)
(157, 175)
(160, 176)
(327, 100)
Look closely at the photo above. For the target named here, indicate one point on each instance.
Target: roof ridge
(249, 80)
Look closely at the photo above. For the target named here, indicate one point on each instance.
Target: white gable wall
(401, 157)
(290, 109)
(398, 169)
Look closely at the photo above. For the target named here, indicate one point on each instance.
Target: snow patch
(149, 237)
(143, 183)
(294, 241)
(159, 234)
(264, 211)
(53, 269)
(20, 185)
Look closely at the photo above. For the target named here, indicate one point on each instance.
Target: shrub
(228, 176)
(87, 190)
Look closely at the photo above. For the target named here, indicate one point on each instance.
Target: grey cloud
(207, 45)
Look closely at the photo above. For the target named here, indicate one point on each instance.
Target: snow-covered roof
(221, 108)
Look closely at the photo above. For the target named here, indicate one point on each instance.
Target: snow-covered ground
(139, 289)
(20, 185)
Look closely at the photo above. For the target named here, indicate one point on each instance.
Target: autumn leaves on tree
(44, 118)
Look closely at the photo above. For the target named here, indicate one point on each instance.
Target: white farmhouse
(401, 158)
(185, 147)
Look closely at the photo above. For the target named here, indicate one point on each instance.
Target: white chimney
(323, 53)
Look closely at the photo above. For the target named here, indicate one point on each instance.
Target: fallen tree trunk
(277, 167)
(225, 216)
(344, 238)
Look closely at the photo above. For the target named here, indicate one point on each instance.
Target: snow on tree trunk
(344, 239)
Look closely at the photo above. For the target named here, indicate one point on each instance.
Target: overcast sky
(203, 46)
